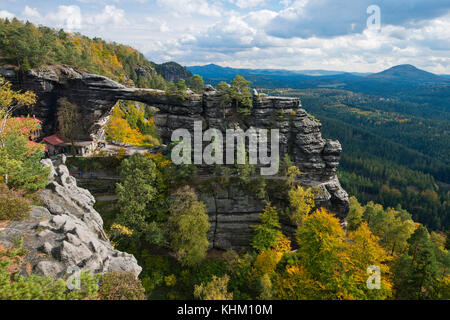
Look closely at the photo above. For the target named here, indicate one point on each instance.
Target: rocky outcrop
(300, 133)
(172, 71)
(146, 72)
(233, 210)
(66, 233)
(94, 94)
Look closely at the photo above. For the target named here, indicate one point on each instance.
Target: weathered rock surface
(231, 212)
(94, 94)
(300, 133)
(172, 71)
(67, 232)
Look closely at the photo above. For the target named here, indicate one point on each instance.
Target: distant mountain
(407, 72)
(404, 82)
(407, 83)
(213, 71)
(403, 73)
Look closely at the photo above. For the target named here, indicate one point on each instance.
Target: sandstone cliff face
(66, 232)
(300, 133)
(231, 212)
(172, 71)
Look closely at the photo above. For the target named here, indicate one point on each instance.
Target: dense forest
(395, 153)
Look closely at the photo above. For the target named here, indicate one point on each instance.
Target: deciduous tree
(188, 224)
(216, 289)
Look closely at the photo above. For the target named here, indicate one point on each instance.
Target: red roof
(54, 140)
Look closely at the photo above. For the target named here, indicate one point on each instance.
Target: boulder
(66, 232)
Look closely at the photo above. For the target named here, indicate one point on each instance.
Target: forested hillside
(28, 46)
(395, 152)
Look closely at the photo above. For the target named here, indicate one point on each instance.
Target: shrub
(16, 287)
(13, 205)
(121, 286)
(265, 288)
(170, 280)
(88, 288)
(19, 162)
(217, 289)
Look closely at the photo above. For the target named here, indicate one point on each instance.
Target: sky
(345, 35)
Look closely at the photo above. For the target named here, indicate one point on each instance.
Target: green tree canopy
(267, 233)
(196, 83)
(142, 198)
(237, 93)
(188, 224)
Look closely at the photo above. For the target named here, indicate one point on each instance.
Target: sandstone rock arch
(300, 133)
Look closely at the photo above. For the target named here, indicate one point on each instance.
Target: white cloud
(248, 3)
(32, 14)
(330, 18)
(66, 17)
(6, 15)
(190, 7)
(164, 27)
(71, 18)
(110, 15)
(260, 18)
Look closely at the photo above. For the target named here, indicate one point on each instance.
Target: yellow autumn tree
(296, 284)
(265, 264)
(216, 289)
(321, 239)
(362, 250)
(118, 129)
(331, 265)
(301, 203)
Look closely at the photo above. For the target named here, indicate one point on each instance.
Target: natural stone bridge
(300, 133)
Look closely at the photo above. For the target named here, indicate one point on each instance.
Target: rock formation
(172, 71)
(94, 94)
(231, 212)
(67, 232)
(300, 133)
